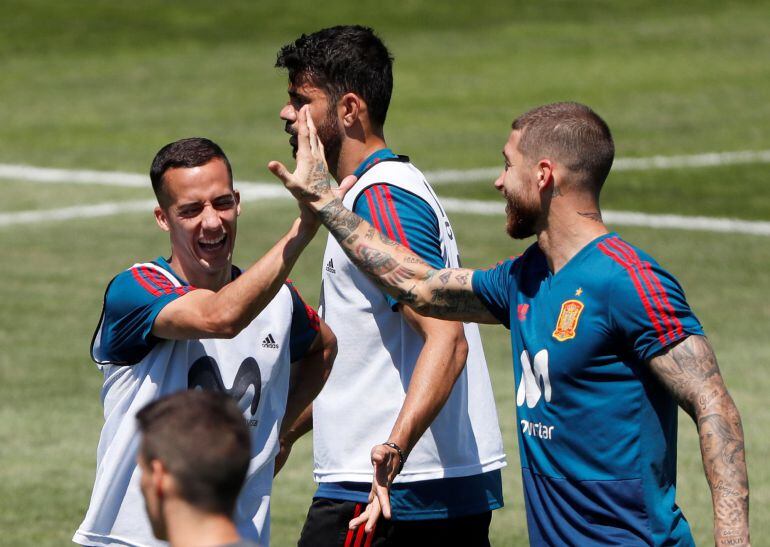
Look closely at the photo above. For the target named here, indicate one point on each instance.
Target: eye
(225, 203)
(190, 211)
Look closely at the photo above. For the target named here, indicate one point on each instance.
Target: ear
(350, 107)
(160, 478)
(161, 219)
(545, 174)
(237, 202)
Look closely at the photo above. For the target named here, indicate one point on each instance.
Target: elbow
(221, 324)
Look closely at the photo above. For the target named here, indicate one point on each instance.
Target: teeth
(205, 241)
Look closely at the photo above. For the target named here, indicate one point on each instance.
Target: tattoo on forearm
(444, 277)
(341, 222)
(690, 372)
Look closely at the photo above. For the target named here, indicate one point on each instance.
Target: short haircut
(203, 441)
(343, 59)
(573, 135)
(191, 152)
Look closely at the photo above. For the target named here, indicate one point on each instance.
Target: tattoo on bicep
(462, 278)
(370, 233)
(685, 368)
(444, 277)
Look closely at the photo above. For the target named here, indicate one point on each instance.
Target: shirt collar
(374, 159)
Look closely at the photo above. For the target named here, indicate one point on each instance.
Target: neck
(189, 527)
(572, 224)
(354, 151)
(212, 281)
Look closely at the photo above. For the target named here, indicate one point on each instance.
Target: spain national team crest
(568, 320)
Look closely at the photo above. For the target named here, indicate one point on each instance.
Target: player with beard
(604, 344)
(413, 386)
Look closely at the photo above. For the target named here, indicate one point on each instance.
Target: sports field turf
(102, 85)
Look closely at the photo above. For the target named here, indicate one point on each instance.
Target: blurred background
(90, 90)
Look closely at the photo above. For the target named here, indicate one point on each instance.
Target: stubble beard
(520, 219)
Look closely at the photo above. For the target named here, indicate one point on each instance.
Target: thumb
(279, 170)
(346, 184)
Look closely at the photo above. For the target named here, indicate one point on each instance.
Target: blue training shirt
(408, 219)
(135, 297)
(597, 432)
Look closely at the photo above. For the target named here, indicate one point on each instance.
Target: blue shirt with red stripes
(408, 219)
(135, 297)
(597, 432)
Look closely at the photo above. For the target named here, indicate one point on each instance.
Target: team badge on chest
(568, 320)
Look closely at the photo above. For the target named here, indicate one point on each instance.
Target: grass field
(102, 85)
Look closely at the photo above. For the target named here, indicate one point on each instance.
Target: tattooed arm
(689, 371)
(445, 294)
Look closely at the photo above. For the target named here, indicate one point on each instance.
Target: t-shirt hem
(366, 476)
(99, 540)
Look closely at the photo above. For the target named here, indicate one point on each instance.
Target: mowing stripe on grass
(443, 176)
(621, 218)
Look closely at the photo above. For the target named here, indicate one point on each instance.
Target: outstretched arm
(689, 371)
(445, 293)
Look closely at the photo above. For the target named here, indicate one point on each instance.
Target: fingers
(315, 143)
(346, 184)
(279, 170)
(360, 519)
(303, 134)
(374, 514)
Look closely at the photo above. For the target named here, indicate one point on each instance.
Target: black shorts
(327, 526)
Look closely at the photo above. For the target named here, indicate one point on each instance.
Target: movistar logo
(533, 376)
(247, 384)
(269, 342)
(330, 267)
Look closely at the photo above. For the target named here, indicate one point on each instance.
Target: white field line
(265, 190)
(487, 208)
(443, 176)
(630, 218)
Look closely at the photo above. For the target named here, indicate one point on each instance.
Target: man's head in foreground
(194, 456)
(198, 207)
(559, 150)
(344, 74)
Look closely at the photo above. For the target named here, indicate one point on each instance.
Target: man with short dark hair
(194, 455)
(604, 344)
(195, 321)
(417, 387)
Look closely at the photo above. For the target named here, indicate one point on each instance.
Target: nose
(498, 184)
(288, 113)
(210, 220)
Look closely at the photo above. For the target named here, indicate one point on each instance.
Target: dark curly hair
(343, 59)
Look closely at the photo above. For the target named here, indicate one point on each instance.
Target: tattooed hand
(310, 182)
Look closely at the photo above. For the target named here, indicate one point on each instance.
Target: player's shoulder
(629, 265)
(144, 279)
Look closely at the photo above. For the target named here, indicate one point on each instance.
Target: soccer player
(604, 343)
(194, 455)
(195, 321)
(414, 386)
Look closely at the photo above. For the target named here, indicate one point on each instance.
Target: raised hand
(310, 182)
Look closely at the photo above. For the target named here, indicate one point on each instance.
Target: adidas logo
(330, 267)
(269, 342)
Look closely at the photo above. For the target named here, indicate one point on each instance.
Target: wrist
(402, 455)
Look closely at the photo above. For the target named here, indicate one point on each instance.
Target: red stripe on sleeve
(394, 215)
(349, 537)
(377, 191)
(149, 288)
(370, 203)
(164, 284)
(639, 290)
(665, 310)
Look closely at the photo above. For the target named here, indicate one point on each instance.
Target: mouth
(212, 244)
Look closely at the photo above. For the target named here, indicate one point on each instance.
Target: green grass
(102, 85)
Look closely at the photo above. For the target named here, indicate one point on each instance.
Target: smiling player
(194, 321)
